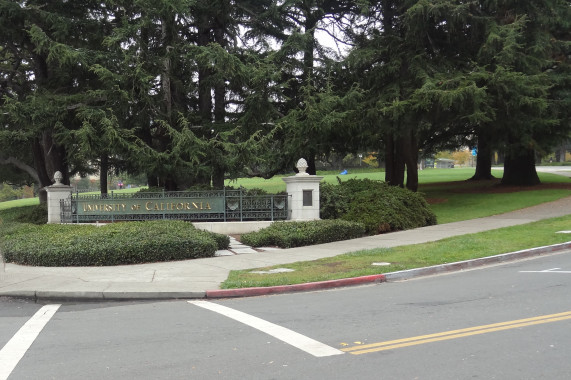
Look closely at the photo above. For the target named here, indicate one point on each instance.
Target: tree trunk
(410, 152)
(562, 152)
(389, 157)
(483, 158)
(47, 164)
(311, 168)
(152, 180)
(170, 184)
(55, 158)
(218, 164)
(204, 90)
(43, 176)
(217, 177)
(520, 170)
(395, 163)
(103, 173)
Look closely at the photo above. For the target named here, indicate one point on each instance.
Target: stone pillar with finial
(57, 193)
(303, 191)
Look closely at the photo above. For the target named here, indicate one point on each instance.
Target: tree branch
(21, 165)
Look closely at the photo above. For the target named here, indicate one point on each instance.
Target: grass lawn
(461, 200)
(19, 203)
(448, 250)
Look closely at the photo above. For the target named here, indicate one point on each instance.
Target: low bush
(394, 209)
(375, 204)
(114, 244)
(333, 200)
(34, 214)
(297, 234)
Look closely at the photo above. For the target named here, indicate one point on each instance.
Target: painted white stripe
(552, 270)
(16, 347)
(545, 271)
(288, 336)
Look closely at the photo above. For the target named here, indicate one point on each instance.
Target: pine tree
(46, 48)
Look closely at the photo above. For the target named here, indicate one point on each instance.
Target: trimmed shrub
(114, 244)
(222, 241)
(333, 201)
(297, 234)
(377, 205)
(34, 214)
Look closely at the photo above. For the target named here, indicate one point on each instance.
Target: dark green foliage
(375, 204)
(33, 214)
(115, 244)
(393, 209)
(333, 201)
(297, 234)
(222, 241)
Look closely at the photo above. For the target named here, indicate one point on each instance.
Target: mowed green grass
(19, 203)
(458, 199)
(464, 247)
(452, 196)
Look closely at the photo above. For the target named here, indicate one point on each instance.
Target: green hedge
(297, 234)
(34, 214)
(113, 244)
(375, 204)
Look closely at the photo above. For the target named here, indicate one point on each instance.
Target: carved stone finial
(58, 177)
(301, 166)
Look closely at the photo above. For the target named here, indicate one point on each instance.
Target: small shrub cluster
(375, 204)
(114, 244)
(297, 234)
(34, 214)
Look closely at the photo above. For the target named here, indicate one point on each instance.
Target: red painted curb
(260, 291)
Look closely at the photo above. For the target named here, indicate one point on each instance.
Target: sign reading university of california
(150, 206)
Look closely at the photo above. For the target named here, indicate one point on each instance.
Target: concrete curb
(86, 296)
(475, 263)
(389, 277)
(310, 286)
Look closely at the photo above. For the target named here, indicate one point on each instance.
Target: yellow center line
(392, 344)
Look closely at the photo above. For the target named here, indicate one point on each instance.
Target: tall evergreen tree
(46, 46)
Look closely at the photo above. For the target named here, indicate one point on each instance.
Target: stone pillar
(57, 192)
(303, 190)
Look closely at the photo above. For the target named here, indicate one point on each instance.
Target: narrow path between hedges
(237, 248)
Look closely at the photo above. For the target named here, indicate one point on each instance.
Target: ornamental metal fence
(216, 205)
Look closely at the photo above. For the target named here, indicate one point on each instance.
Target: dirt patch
(513, 189)
(490, 187)
(237, 237)
(435, 201)
(334, 264)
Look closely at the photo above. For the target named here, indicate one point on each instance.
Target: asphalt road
(510, 321)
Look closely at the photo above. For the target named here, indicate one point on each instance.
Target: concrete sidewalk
(193, 278)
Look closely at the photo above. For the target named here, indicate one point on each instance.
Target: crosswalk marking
(16, 347)
(293, 338)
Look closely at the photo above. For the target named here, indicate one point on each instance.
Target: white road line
(288, 336)
(16, 347)
(552, 270)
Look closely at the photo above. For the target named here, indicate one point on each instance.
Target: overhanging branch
(21, 165)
